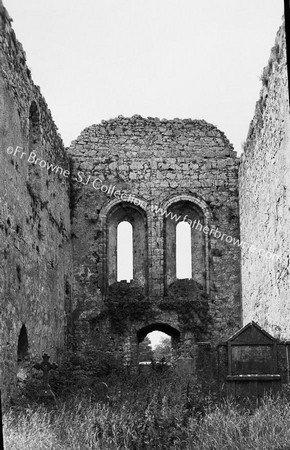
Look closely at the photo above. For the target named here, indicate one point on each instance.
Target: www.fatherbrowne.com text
(111, 191)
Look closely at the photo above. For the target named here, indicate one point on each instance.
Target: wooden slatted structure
(252, 362)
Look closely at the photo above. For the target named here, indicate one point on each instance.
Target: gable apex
(253, 331)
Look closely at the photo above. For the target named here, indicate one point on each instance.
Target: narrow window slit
(183, 251)
(124, 251)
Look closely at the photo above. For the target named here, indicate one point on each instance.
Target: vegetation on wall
(126, 303)
(188, 299)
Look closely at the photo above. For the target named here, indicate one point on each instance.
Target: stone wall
(34, 217)
(143, 170)
(149, 172)
(264, 202)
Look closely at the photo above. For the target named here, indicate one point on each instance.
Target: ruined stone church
(61, 211)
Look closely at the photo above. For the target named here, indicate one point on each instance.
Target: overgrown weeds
(157, 411)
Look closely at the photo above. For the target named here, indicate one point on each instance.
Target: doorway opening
(157, 344)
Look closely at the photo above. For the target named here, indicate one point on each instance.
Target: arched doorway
(169, 331)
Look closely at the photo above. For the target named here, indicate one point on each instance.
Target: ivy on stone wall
(126, 303)
(188, 299)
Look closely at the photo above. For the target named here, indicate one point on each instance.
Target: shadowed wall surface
(34, 217)
(265, 199)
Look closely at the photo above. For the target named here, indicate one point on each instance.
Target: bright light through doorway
(156, 338)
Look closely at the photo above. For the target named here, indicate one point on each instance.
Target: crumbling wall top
(169, 129)
(18, 82)
(273, 72)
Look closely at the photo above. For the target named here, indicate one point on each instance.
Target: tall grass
(157, 413)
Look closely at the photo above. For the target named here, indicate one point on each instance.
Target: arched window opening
(183, 251)
(186, 246)
(124, 251)
(126, 245)
(22, 348)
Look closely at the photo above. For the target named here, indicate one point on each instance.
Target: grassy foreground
(155, 413)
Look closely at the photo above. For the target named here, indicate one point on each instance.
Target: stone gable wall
(150, 163)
